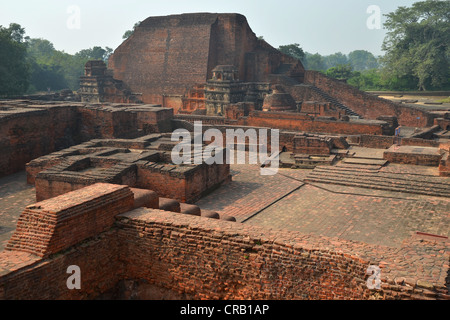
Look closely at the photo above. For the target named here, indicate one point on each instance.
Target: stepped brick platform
(144, 163)
(191, 257)
(305, 161)
(365, 167)
(379, 180)
(424, 156)
(57, 224)
(365, 161)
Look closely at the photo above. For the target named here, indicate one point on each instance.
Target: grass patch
(446, 100)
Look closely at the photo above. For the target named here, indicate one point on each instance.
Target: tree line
(417, 53)
(417, 56)
(34, 65)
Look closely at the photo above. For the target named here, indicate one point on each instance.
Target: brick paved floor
(373, 216)
(371, 219)
(15, 195)
(250, 192)
(284, 202)
(367, 152)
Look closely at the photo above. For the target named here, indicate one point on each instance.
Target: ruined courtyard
(91, 182)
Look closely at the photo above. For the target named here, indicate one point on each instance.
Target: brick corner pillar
(53, 225)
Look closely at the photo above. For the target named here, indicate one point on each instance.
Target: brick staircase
(371, 178)
(333, 101)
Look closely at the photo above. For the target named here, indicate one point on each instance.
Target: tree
(361, 60)
(367, 80)
(417, 44)
(128, 33)
(341, 72)
(51, 68)
(14, 68)
(95, 53)
(293, 50)
(336, 59)
(314, 62)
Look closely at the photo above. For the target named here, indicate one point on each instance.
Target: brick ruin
(191, 257)
(143, 163)
(110, 200)
(202, 63)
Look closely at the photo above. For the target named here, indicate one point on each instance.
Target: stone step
(365, 161)
(374, 186)
(334, 101)
(375, 181)
(428, 181)
(391, 184)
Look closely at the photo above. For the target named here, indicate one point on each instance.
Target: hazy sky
(323, 26)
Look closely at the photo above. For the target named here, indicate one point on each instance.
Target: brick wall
(34, 131)
(185, 184)
(376, 142)
(398, 156)
(100, 122)
(384, 142)
(53, 225)
(212, 260)
(312, 145)
(29, 133)
(27, 277)
(168, 56)
(368, 106)
(299, 122)
(198, 258)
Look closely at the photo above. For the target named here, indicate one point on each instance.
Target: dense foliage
(417, 44)
(14, 69)
(417, 56)
(56, 70)
(33, 65)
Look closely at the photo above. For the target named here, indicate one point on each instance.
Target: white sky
(323, 26)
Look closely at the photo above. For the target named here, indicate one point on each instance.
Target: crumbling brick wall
(53, 225)
(199, 258)
(368, 106)
(299, 122)
(32, 132)
(168, 56)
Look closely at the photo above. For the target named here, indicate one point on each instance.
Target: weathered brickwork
(296, 122)
(112, 200)
(299, 122)
(29, 131)
(176, 53)
(416, 155)
(198, 258)
(141, 163)
(54, 225)
(24, 276)
(369, 106)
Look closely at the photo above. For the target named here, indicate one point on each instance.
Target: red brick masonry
(56, 224)
(202, 258)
